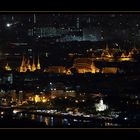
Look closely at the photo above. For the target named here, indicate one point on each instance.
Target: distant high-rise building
(78, 23)
(34, 18)
(91, 34)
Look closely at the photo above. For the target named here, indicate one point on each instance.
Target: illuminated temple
(84, 65)
(7, 67)
(26, 65)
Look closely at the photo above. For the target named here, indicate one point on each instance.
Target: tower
(77, 23)
(107, 48)
(34, 19)
(34, 25)
(28, 65)
(12, 18)
(93, 68)
(38, 63)
(33, 66)
(22, 67)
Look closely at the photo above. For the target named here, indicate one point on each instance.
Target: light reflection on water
(65, 121)
(53, 121)
(46, 120)
(49, 121)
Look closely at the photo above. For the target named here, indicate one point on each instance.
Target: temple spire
(38, 63)
(33, 65)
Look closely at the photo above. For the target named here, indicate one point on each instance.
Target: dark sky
(104, 19)
(109, 23)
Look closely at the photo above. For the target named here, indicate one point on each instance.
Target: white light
(15, 111)
(101, 106)
(8, 25)
(125, 118)
(116, 44)
(2, 113)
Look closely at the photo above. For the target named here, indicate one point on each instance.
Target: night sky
(115, 24)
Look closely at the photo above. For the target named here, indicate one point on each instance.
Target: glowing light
(15, 111)
(2, 113)
(7, 67)
(125, 118)
(37, 98)
(44, 100)
(101, 106)
(8, 25)
(83, 100)
(76, 101)
(53, 97)
(125, 59)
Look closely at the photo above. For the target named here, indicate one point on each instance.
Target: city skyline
(68, 70)
(103, 26)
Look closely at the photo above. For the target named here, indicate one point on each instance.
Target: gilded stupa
(27, 66)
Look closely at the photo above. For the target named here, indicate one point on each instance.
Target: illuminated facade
(84, 65)
(112, 70)
(56, 69)
(108, 54)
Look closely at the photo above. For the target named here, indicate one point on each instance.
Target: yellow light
(43, 97)
(125, 59)
(44, 100)
(37, 98)
(7, 67)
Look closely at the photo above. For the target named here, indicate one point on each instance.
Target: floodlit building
(84, 65)
(56, 69)
(112, 70)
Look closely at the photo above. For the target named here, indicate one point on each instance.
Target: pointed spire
(33, 65)
(38, 63)
(23, 61)
(28, 65)
(92, 67)
(107, 48)
(22, 67)
(123, 55)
